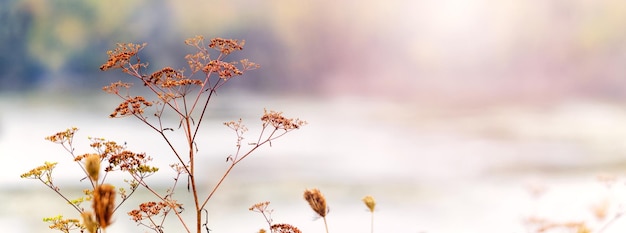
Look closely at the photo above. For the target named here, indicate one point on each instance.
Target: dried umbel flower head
(278, 121)
(147, 210)
(369, 202)
(317, 201)
(225, 70)
(259, 207)
(64, 136)
(226, 46)
(63, 224)
(131, 106)
(43, 172)
(121, 55)
(92, 166)
(284, 228)
(104, 204)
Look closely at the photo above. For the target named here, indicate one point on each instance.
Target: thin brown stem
(56, 190)
(372, 222)
(325, 224)
(204, 108)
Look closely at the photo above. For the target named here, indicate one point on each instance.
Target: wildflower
(224, 70)
(62, 137)
(278, 121)
(259, 207)
(226, 46)
(131, 106)
(284, 228)
(43, 173)
(121, 55)
(64, 225)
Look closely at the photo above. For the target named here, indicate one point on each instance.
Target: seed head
(369, 202)
(92, 165)
(89, 223)
(317, 201)
(104, 204)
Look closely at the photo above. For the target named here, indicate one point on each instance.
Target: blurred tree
(17, 68)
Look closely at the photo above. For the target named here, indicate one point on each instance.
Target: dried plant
(317, 201)
(183, 93)
(262, 208)
(371, 204)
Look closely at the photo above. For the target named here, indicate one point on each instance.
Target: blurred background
(450, 113)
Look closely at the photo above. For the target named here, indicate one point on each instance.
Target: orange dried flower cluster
(195, 41)
(64, 136)
(196, 61)
(146, 210)
(114, 88)
(173, 78)
(259, 207)
(278, 121)
(127, 161)
(105, 147)
(121, 55)
(248, 65)
(223, 69)
(226, 46)
(131, 106)
(284, 228)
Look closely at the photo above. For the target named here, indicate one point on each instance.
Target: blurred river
(430, 169)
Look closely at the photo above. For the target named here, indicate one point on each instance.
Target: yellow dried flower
(369, 202)
(89, 223)
(317, 201)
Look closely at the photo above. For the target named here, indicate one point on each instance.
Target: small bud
(92, 165)
(369, 202)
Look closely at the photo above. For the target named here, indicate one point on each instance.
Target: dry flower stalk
(317, 201)
(176, 92)
(371, 205)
